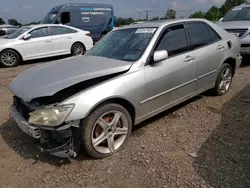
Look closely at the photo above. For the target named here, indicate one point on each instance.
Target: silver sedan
(130, 75)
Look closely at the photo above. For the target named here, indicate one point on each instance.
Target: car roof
(46, 25)
(160, 23)
(242, 5)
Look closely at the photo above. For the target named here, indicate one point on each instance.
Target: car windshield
(125, 44)
(17, 33)
(49, 17)
(238, 14)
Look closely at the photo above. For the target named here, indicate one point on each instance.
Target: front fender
(129, 86)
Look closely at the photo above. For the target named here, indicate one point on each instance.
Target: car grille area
(240, 32)
(21, 107)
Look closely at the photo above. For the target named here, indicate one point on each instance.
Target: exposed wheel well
(232, 62)
(126, 104)
(21, 58)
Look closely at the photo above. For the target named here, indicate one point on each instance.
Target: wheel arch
(77, 42)
(20, 55)
(232, 62)
(117, 100)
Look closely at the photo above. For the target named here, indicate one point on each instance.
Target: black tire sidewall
(14, 53)
(89, 122)
(73, 47)
(217, 90)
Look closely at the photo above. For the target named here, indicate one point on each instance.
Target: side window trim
(208, 33)
(40, 28)
(159, 38)
(161, 35)
(215, 33)
(55, 27)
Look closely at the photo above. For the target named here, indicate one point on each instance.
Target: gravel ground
(202, 143)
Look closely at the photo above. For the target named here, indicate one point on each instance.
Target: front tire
(9, 58)
(106, 130)
(78, 49)
(224, 80)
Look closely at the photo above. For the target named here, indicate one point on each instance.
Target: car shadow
(26, 147)
(224, 158)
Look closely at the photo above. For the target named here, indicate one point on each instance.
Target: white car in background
(41, 41)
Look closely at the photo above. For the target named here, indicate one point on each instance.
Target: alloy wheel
(109, 132)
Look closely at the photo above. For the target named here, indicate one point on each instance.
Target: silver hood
(234, 25)
(47, 79)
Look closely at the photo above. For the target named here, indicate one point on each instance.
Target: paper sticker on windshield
(145, 30)
(237, 9)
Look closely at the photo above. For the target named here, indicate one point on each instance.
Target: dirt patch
(201, 143)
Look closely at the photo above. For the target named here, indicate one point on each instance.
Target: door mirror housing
(160, 55)
(220, 19)
(26, 36)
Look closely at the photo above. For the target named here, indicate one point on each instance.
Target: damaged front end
(63, 140)
(39, 119)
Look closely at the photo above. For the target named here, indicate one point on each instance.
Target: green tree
(215, 13)
(171, 14)
(212, 14)
(123, 21)
(198, 14)
(2, 21)
(156, 18)
(14, 22)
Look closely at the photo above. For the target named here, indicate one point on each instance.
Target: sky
(26, 11)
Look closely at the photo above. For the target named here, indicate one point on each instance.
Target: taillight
(88, 34)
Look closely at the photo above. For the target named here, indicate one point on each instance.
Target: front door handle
(189, 58)
(47, 41)
(220, 47)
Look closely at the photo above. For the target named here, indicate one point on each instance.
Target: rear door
(62, 39)
(208, 50)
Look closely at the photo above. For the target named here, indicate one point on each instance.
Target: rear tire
(78, 49)
(103, 134)
(224, 80)
(9, 58)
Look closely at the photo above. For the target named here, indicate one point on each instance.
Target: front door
(174, 78)
(38, 45)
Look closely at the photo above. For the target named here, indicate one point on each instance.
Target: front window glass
(40, 32)
(126, 44)
(238, 14)
(18, 32)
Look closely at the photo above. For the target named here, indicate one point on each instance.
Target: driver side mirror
(160, 55)
(26, 36)
(220, 19)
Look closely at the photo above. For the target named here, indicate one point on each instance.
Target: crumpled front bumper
(63, 143)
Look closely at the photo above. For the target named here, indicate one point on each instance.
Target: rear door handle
(69, 37)
(220, 47)
(189, 58)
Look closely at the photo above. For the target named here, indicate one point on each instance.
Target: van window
(65, 18)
